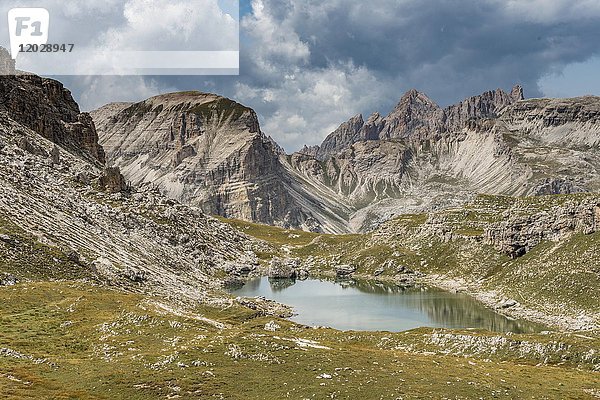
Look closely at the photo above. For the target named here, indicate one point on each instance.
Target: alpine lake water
(376, 306)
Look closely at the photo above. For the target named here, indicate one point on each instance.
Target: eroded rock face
(417, 117)
(347, 134)
(516, 236)
(519, 227)
(209, 151)
(421, 158)
(46, 107)
(201, 149)
(567, 122)
(112, 181)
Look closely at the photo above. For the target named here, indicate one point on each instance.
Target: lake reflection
(365, 305)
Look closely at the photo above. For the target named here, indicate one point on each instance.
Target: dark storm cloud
(308, 65)
(469, 42)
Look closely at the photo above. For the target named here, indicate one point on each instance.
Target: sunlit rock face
(209, 151)
(204, 150)
(422, 157)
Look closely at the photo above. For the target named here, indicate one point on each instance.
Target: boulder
(112, 181)
(283, 268)
(55, 155)
(8, 280)
(507, 304)
(272, 326)
(303, 274)
(136, 276)
(74, 256)
(241, 269)
(345, 270)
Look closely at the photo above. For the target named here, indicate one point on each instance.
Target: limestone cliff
(209, 151)
(205, 150)
(46, 107)
(417, 117)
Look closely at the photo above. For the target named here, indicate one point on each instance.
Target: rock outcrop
(46, 107)
(517, 235)
(283, 268)
(112, 181)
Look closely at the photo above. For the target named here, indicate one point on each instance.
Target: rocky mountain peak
(486, 105)
(517, 93)
(189, 97)
(418, 117)
(415, 113)
(357, 120)
(414, 103)
(346, 134)
(309, 150)
(374, 118)
(202, 149)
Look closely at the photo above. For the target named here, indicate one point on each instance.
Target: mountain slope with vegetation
(533, 257)
(110, 290)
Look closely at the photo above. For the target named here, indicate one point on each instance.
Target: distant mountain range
(209, 151)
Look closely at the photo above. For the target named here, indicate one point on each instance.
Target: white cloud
(137, 24)
(276, 39)
(96, 91)
(309, 105)
(172, 25)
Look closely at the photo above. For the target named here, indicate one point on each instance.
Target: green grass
(25, 257)
(556, 276)
(104, 344)
(411, 220)
(78, 340)
(221, 108)
(272, 234)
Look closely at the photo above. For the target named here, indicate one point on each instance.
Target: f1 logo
(28, 26)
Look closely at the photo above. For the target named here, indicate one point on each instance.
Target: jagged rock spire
(517, 93)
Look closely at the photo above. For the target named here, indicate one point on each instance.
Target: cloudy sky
(308, 65)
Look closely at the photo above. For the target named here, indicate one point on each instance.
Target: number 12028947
(46, 48)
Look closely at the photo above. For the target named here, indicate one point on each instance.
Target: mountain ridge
(417, 114)
(418, 158)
